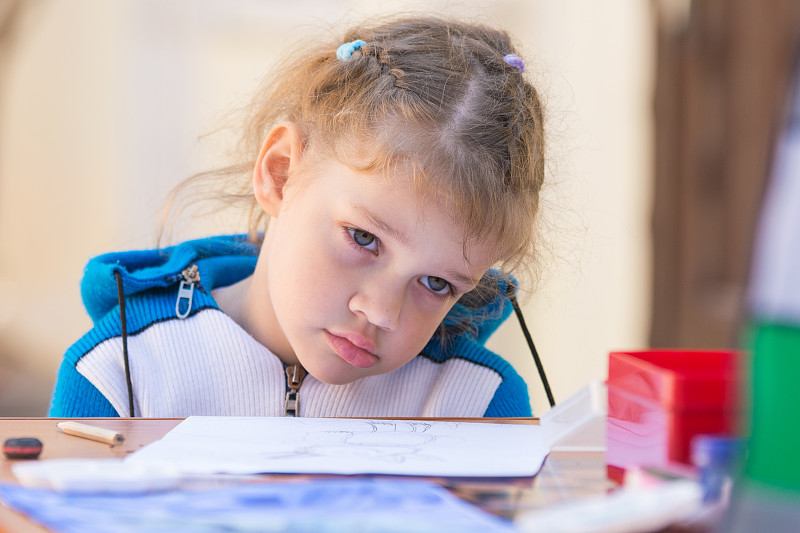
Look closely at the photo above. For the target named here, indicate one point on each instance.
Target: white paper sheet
(245, 445)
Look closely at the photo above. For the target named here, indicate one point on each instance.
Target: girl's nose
(379, 303)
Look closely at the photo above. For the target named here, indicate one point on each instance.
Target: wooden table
(564, 475)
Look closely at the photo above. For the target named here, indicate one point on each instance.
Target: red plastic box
(658, 400)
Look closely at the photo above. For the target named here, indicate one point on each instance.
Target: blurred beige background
(102, 104)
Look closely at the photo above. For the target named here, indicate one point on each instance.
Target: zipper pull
(294, 378)
(186, 291)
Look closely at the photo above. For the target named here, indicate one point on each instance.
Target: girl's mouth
(357, 355)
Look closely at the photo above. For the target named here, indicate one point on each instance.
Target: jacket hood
(221, 260)
(480, 312)
(224, 260)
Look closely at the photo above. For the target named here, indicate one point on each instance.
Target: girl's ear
(279, 158)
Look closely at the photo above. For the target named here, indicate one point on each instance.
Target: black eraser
(22, 448)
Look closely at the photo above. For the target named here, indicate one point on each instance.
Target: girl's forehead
(407, 183)
(401, 176)
(378, 164)
(401, 168)
(412, 158)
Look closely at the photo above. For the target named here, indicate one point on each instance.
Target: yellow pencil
(86, 431)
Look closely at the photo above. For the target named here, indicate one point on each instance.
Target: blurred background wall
(102, 106)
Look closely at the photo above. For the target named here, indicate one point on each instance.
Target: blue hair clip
(346, 50)
(515, 61)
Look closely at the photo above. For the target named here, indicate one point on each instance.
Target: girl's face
(359, 273)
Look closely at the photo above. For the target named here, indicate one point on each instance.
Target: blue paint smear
(316, 506)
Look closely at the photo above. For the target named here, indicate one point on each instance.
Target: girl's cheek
(342, 253)
(428, 311)
(430, 302)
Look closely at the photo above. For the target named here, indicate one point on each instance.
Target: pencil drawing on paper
(391, 441)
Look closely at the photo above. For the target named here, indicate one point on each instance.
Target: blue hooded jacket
(151, 281)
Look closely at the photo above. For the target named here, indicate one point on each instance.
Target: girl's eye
(437, 285)
(363, 238)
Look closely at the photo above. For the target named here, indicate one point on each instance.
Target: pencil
(86, 431)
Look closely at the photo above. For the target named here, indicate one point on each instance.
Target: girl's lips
(359, 355)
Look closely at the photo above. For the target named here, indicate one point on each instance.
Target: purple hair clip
(515, 61)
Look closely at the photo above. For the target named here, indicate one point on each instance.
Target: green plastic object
(774, 447)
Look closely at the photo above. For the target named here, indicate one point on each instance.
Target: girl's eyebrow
(381, 224)
(396, 234)
(462, 279)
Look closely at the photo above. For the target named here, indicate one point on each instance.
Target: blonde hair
(432, 95)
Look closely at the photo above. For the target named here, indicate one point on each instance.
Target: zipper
(294, 378)
(189, 278)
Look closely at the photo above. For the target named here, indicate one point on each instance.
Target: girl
(390, 172)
